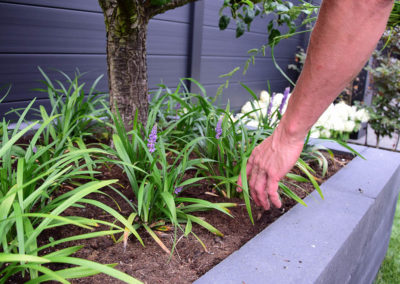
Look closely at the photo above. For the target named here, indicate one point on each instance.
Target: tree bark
(127, 74)
(126, 25)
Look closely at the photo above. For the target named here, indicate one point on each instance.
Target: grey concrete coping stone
(341, 239)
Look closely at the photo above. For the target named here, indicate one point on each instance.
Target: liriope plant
(28, 207)
(156, 173)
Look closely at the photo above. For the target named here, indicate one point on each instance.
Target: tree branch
(155, 9)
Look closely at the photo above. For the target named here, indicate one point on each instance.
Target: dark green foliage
(394, 18)
(385, 73)
(223, 22)
(285, 13)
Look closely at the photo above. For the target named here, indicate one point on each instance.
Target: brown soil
(151, 264)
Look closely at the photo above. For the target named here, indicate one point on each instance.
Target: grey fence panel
(10, 110)
(66, 35)
(223, 43)
(43, 33)
(21, 71)
(262, 70)
(176, 15)
(222, 52)
(166, 70)
(84, 5)
(180, 15)
(168, 38)
(32, 29)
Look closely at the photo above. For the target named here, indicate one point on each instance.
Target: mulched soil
(151, 264)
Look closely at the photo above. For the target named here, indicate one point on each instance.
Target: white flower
(353, 113)
(236, 117)
(247, 107)
(362, 115)
(336, 123)
(277, 100)
(342, 110)
(252, 123)
(315, 133)
(326, 133)
(264, 96)
(349, 126)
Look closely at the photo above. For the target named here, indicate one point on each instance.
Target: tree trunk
(126, 26)
(127, 75)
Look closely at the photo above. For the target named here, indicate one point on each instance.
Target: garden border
(341, 239)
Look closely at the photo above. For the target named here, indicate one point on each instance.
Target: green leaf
(240, 27)
(204, 224)
(70, 273)
(291, 194)
(95, 266)
(9, 257)
(223, 22)
(169, 201)
(188, 227)
(245, 188)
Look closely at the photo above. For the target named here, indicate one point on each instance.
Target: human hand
(268, 163)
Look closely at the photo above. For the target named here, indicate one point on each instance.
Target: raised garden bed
(150, 264)
(342, 239)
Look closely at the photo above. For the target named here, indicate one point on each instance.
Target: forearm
(344, 37)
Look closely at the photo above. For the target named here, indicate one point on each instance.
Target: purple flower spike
(151, 142)
(178, 190)
(178, 106)
(285, 96)
(218, 129)
(34, 149)
(270, 104)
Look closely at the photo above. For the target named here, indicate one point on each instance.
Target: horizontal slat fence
(66, 35)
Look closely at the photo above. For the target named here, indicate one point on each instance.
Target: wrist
(291, 132)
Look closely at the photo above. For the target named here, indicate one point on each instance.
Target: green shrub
(385, 74)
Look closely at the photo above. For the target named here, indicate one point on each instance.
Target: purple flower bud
(285, 96)
(178, 190)
(178, 106)
(151, 142)
(34, 149)
(271, 101)
(218, 129)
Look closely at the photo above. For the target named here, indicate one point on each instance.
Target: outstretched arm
(343, 38)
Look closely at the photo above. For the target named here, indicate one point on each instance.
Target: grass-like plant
(157, 176)
(77, 109)
(28, 206)
(227, 142)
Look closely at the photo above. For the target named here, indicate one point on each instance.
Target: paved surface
(385, 143)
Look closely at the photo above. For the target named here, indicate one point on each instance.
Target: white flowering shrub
(337, 122)
(265, 112)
